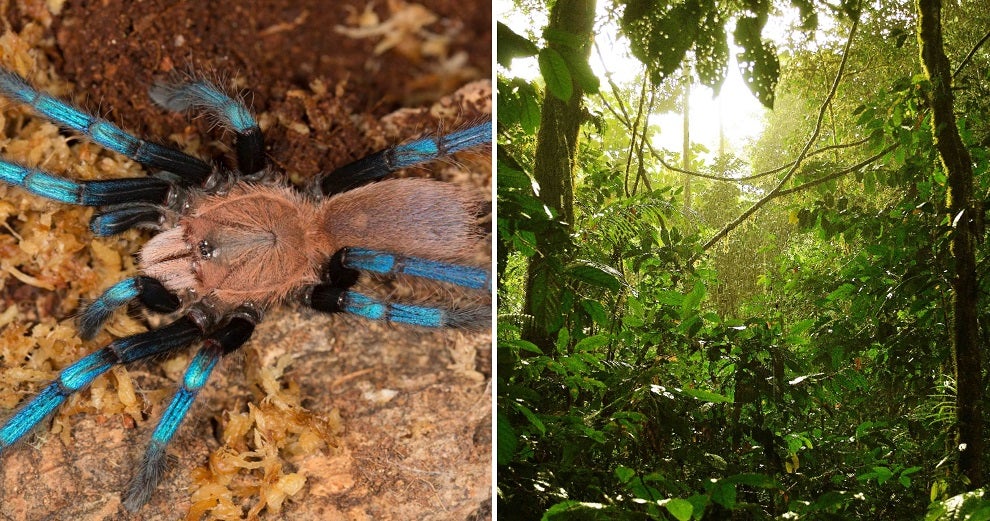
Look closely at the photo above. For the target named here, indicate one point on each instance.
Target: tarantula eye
(206, 250)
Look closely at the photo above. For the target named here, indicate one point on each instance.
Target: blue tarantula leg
(124, 217)
(385, 263)
(102, 132)
(329, 298)
(223, 341)
(77, 376)
(85, 193)
(230, 113)
(382, 163)
(151, 293)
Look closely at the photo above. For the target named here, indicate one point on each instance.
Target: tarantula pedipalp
(232, 244)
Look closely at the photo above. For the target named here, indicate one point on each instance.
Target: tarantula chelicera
(231, 244)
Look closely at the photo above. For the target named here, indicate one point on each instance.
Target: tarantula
(232, 244)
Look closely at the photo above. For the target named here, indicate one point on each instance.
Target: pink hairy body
(260, 243)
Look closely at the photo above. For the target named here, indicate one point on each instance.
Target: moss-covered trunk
(965, 216)
(553, 169)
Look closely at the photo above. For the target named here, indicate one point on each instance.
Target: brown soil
(413, 437)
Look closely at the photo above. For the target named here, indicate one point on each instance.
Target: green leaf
(595, 274)
(724, 494)
(585, 77)
(635, 313)
(669, 298)
(596, 311)
(691, 301)
(563, 38)
(511, 178)
(563, 340)
(711, 51)
(592, 343)
(882, 474)
(660, 37)
(864, 428)
(796, 335)
(524, 242)
(518, 104)
(758, 61)
(841, 293)
(531, 417)
(681, 509)
(624, 474)
(801, 326)
(555, 73)
(706, 396)
(507, 441)
(529, 114)
(830, 501)
(522, 345)
(512, 45)
(571, 509)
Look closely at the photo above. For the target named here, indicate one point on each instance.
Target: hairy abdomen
(417, 217)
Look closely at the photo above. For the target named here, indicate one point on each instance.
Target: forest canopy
(783, 320)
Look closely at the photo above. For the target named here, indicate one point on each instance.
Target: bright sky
(739, 111)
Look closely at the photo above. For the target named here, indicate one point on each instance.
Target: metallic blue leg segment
(102, 132)
(428, 149)
(225, 340)
(80, 374)
(202, 95)
(85, 193)
(331, 299)
(229, 112)
(40, 183)
(31, 414)
(373, 309)
(153, 295)
(391, 264)
(97, 313)
(380, 164)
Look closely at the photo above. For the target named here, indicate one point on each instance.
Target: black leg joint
(338, 275)
(251, 152)
(191, 170)
(232, 335)
(178, 334)
(120, 219)
(362, 171)
(326, 298)
(155, 297)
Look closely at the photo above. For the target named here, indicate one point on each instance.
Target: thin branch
(840, 173)
(971, 53)
(615, 90)
(636, 134)
(804, 152)
(815, 152)
(641, 166)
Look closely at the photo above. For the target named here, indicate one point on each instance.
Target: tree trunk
(963, 214)
(553, 168)
(686, 141)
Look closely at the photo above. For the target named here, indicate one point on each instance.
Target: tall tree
(569, 35)
(686, 136)
(966, 217)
